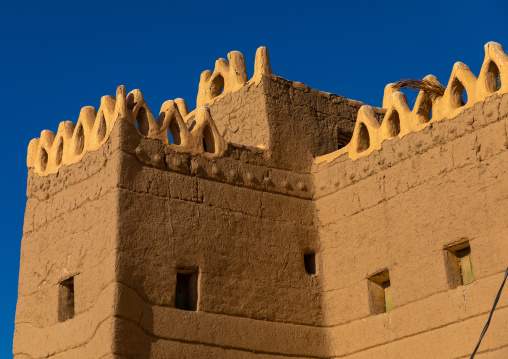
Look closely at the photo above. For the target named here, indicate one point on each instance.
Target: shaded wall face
(66, 281)
(400, 209)
(246, 247)
(292, 120)
(305, 122)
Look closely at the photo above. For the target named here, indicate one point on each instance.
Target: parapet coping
(399, 120)
(194, 132)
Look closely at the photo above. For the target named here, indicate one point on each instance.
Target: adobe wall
(294, 121)
(69, 231)
(123, 210)
(244, 226)
(397, 209)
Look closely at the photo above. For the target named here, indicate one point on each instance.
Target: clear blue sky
(57, 57)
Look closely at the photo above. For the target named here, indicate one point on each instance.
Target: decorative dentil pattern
(400, 120)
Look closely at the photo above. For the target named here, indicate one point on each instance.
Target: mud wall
(291, 119)
(69, 232)
(242, 233)
(398, 209)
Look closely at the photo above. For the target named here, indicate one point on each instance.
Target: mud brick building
(274, 221)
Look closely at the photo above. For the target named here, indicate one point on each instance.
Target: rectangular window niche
(309, 261)
(66, 300)
(380, 292)
(186, 294)
(459, 267)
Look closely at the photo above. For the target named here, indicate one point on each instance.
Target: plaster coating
(292, 235)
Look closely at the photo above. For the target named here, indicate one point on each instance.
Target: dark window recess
(186, 295)
(309, 259)
(343, 138)
(459, 266)
(380, 293)
(66, 300)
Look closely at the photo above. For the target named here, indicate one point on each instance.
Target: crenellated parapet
(71, 142)
(230, 75)
(293, 122)
(196, 134)
(400, 120)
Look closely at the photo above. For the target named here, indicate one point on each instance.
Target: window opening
(309, 260)
(380, 293)
(66, 300)
(186, 295)
(459, 265)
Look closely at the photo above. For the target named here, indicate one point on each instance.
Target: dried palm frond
(431, 88)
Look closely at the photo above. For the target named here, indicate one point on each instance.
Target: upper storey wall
(291, 120)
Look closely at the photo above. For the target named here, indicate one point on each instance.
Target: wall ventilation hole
(174, 133)
(380, 293)
(459, 266)
(208, 140)
(142, 121)
(79, 140)
(186, 294)
(393, 124)
(493, 78)
(66, 300)
(363, 139)
(309, 260)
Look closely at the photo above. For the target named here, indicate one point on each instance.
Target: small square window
(459, 265)
(186, 294)
(66, 300)
(309, 260)
(380, 292)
